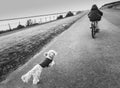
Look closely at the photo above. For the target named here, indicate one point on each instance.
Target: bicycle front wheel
(93, 32)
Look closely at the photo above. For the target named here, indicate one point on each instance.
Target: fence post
(50, 18)
(9, 26)
(19, 23)
(40, 20)
(45, 19)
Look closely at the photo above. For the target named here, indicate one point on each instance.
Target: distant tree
(69, 14)
(29, 22)
(20, 26)
(60, 17)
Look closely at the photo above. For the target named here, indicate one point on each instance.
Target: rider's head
(94, 7)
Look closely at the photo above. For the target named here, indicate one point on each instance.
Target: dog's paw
(24, 79)
(35, 81)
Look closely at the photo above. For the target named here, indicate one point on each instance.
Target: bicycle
(94, 28)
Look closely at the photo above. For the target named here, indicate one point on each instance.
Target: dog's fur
(35, 72)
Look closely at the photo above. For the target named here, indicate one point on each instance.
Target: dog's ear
(45, 54)
(55, 53)
(52, 51)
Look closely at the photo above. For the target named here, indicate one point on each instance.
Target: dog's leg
(52, 63)
(25, 78)
(35, 79)
(36, 76)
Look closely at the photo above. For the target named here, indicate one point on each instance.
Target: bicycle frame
(93, 27)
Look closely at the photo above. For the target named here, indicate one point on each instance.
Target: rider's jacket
(95, 14)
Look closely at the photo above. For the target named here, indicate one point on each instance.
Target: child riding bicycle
(95, 15)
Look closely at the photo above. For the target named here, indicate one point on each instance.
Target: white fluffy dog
(35, 72)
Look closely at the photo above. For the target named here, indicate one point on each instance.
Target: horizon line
(33, 16)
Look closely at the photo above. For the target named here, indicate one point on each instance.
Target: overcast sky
(21, 8)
